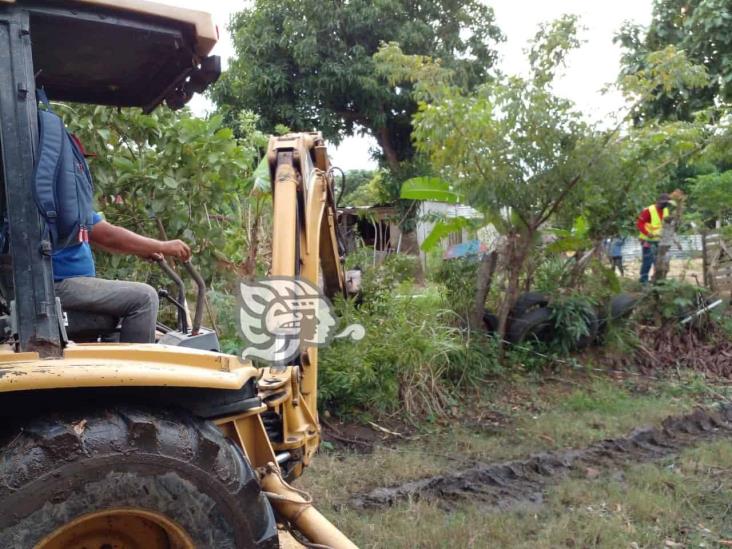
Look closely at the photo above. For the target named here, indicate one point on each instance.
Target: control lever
(200, 296)
(179, 303)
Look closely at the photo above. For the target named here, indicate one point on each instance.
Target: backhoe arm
(304, 240)
(304, 246)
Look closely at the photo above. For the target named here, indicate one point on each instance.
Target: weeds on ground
(513, 418)
(413, 358)
(601, 409)
(457, 279)
(534, 358)
(620, 339)
(680, 502)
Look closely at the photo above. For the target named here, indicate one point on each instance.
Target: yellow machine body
(300, 169)
(119, 365)
(304, 246)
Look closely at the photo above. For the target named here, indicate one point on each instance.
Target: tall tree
(701, 28)
(309, 65)
(520, 154)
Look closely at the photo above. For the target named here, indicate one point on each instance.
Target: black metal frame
(34, 305)
(37, 321)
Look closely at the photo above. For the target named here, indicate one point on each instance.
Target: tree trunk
(383, 138)
(668, 237)
(482, 287)
(581, 258)
(705, 261)
(515, 255)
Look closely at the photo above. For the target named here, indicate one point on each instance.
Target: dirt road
(559, 460)
(504, 485)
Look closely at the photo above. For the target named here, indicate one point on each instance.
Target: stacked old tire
(531, 319)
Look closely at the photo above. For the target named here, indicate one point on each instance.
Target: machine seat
(84, 326)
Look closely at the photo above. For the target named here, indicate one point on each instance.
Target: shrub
(669, 301)
(573, 316)
(549, 274)
(412, 358)
(379, 282)
(457, 278)
(360, 258)
(225, 308)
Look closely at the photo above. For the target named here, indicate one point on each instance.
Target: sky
(589, 69)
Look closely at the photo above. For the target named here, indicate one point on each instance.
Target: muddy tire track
(524, 481)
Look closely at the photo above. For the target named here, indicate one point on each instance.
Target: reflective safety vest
(655, 227)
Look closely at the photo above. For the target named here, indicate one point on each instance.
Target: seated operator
(134, 303)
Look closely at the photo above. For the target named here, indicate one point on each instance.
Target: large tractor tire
(620, 307)
(129, 478)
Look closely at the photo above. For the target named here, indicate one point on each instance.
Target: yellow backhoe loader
(111, 446)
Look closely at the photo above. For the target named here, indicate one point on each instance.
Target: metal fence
(691, 247)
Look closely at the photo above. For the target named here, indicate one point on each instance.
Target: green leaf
(581, 227)
(170, 182)
(261, 177)
(568, 243)
(429, 188)
(158, 206)
(123, 163)
(442, 229)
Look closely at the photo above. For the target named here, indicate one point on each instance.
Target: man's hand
(119, 240)
(176, 248)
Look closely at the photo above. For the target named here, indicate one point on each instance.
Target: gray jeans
(134, 303)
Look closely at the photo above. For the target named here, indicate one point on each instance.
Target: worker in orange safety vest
(650, 225)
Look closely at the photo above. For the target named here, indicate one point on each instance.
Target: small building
(377, 227)
(430, 212)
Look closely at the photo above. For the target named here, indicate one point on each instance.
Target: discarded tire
(140, 473)
(528, 301)
(535, 325)
(593, 331)
(621, 306)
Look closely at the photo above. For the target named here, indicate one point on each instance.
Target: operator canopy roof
(120, 52)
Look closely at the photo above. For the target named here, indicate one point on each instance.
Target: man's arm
(114, 239)
(643, 220)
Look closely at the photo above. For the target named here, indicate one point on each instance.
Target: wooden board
(718, 262)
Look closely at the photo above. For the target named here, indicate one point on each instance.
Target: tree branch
(547, 212)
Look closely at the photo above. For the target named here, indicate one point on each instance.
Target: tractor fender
(124, 365)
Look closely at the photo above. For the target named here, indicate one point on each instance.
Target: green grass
(570, 414)
(687, 499)
(600, 397)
